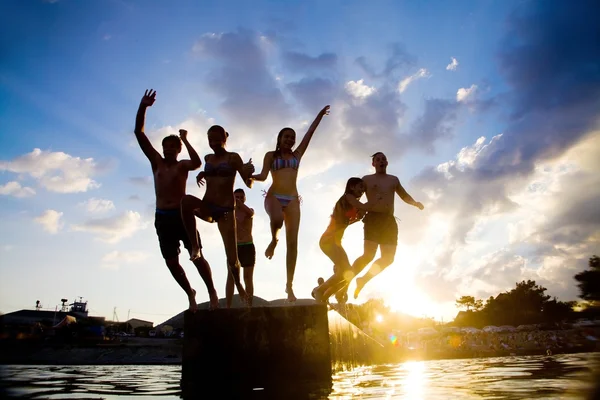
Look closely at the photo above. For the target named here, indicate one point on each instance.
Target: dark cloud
(549, 54)
(251, 98)
(314, 93)
(400, 59)
(436, 122)
(550, 60)
(299, 62)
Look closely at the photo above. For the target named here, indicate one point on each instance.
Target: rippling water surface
(557, 377)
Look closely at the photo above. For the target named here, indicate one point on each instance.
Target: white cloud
(113, 229)
(15, 189)
(466, 94)
(453, 64)
(113, 259)
(55, 171)
(358, 89)
(422, 73)
(50, 221)
(98, 206)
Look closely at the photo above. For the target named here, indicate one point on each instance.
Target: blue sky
(495, 143)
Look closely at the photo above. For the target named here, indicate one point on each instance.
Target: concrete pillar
(256, 346)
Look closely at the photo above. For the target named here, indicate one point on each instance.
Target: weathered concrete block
(256, 345)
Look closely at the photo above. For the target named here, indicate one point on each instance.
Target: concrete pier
(256, 345)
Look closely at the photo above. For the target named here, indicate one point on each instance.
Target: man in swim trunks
(245, 247)
(170, 177)
(380, 227)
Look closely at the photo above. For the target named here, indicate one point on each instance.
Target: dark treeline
(527, 303)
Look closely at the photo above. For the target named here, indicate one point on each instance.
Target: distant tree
(466, 301)
(558, 311)
(478, 306)
(589, 281)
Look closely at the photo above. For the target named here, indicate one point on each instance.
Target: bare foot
(214, 301)
(193, 305)
(271, 249)
(195, 253)
(290, 292)
(342, 295)
(360, 284)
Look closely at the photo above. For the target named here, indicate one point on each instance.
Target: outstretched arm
(268, 160)
(194, 162)
(311, 130)
(407, 197)
(144, 142)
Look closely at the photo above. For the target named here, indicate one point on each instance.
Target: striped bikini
(280, 163)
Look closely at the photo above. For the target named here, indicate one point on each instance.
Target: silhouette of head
(286, 139)
(171, 147)
(239, 195)
(320, 281)
(356, 187)
(217, 137)
(379, 161)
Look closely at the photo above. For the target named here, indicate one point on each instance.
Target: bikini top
(280, 163)
(223, 169)
(343, 213)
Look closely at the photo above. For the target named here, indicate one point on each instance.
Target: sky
(487, 111)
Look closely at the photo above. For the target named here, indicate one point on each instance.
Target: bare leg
(180, 277)
(248, 281)
(228, 234)
(205, 273)
(229, 289)
(388, 253)
(190, 206)
(337, 254)
(370, 248)
(275, 213)
(292, 226)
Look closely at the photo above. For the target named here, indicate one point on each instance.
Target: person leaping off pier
(218, 203)
(347, 210)
(380, 227)
(282, 202)
(170, 177)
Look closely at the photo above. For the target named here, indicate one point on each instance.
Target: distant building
(78, 310)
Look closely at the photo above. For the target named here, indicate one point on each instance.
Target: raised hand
(200, 178)
(149, 98)
(419, 205)
(183, 134)
(248, 167)
(324, 111)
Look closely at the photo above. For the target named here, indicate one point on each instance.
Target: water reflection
(557, 377)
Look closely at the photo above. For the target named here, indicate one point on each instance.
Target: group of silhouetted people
(176, 211)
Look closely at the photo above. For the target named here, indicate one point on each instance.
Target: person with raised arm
(170, 177)
(282, 201)
(218, 203)
(380, 227)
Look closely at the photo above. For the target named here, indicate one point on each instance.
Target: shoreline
(169, 352)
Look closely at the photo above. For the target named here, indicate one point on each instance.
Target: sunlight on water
(558, 377)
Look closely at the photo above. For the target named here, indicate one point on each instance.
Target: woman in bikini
(347, 210)
(218, 203)
(282, 202)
